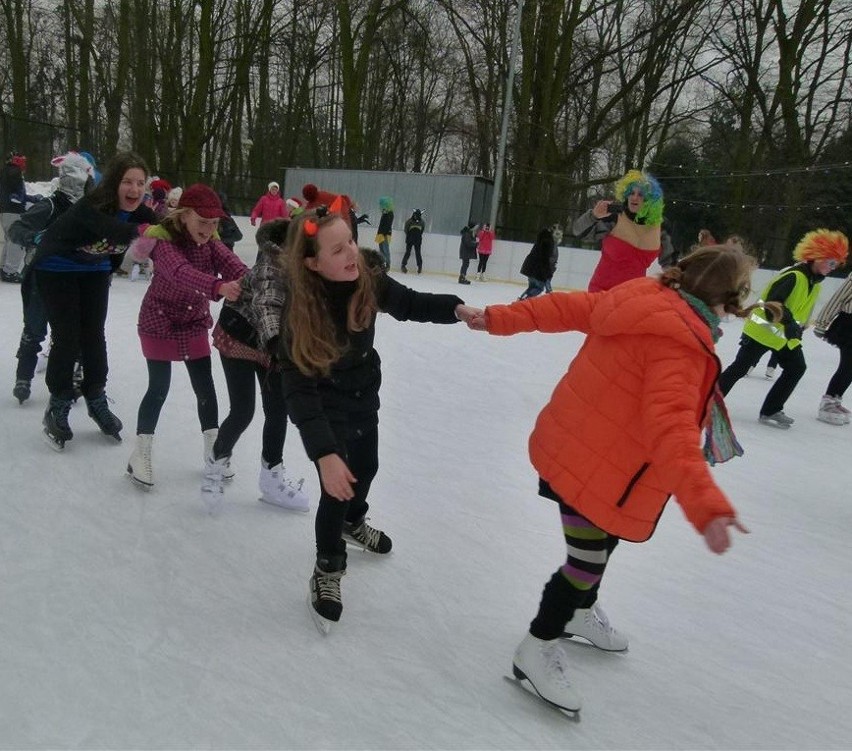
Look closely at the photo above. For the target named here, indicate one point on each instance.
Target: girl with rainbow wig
(630, 232)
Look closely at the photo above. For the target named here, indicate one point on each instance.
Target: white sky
(133, 620)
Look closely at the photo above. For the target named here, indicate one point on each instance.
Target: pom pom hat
(203, 200)
(822, 244)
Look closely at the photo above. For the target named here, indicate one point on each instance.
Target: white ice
(134, 620)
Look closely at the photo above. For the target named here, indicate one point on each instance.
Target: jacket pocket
(633, 480)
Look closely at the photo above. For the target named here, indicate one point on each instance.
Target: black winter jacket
(328, 411)
(86, 235)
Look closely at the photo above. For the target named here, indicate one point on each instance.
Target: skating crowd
(621, 433)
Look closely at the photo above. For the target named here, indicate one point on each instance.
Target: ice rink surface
(134, 620)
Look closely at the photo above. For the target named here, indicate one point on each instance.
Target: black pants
(483, 262)
(463, 270)
(159, 380)
(76, 305)
(35, 329)
(240, 375)
(362, 458)
(842, 377)
(793, 367)
(408, 248)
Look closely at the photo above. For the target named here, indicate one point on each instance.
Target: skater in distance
(621, 434)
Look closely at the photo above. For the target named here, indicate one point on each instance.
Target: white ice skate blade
(323, 624)
(138, 483)
(584, 641)
(528, 688)
(55, 445)
(270, 502)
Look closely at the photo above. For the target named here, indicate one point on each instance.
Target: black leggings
(362, 458)
(240, 375)
(793, 367)
(160, 378)
(483, 262)
(842, 377)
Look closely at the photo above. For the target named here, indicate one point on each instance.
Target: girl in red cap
(193, 268)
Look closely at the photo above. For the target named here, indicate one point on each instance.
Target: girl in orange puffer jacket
(621, 434)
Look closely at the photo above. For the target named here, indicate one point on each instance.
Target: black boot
(55, 422)
(463, 280)
(99, 411)
(325, 587)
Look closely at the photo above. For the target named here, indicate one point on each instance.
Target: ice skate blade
(136, 482)
(773, 424)
(297, 509)
(527, 687)
(58, 446)
(585, 642)
(323, 624)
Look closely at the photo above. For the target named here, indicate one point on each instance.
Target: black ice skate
(99, 411)
(324, 591)
(56, 427)
(366, 537)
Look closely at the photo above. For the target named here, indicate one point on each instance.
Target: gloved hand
(253, 220)
(792, 330)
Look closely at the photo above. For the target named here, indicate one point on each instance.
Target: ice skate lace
(367, 535)
(556, 664)
(99, 409)
(597, 619)
(291, 488)
(328, 585)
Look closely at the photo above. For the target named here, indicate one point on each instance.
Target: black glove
(792, 330)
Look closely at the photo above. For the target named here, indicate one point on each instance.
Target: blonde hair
(717, 275)
(172, 222)
(315, 344)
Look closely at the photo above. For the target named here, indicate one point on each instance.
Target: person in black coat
(467, 249)
(540, 264)
(73, 265)
(75, 176)
(331, 374)
(414, 226)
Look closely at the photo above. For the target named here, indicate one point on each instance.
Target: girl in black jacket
(73, 265)
(331, 375)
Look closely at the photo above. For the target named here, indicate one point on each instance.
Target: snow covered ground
(134, 620)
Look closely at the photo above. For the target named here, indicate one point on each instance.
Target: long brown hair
(718, 275)
(315, 343)
(105, 195)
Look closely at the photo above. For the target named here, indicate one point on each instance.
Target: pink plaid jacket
(176, 307)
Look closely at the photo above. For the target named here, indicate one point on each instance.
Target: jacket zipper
(633, 481)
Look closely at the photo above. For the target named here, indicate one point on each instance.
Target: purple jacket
(174, 319)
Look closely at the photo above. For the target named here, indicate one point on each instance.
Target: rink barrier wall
(573, 270)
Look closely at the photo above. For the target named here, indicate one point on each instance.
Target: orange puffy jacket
(621, 432)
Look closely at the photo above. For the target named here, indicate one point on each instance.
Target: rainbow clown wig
(651, 211)
(822, 244)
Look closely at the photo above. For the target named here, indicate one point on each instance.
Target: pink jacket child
(270, 206)
(486, 240)
(174, 319)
